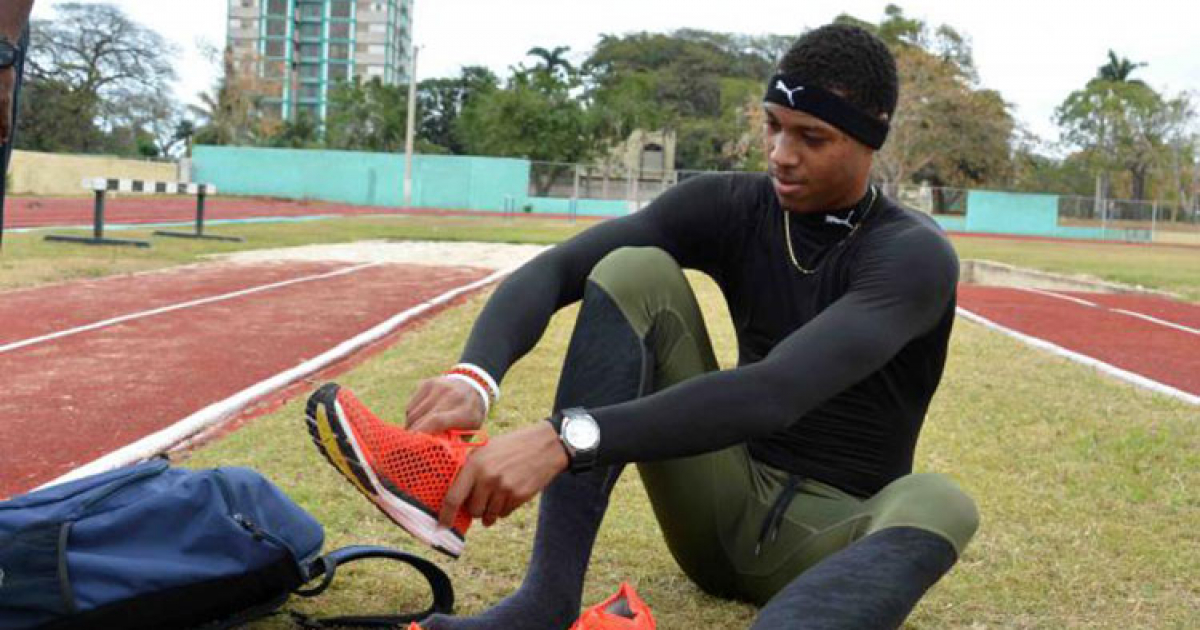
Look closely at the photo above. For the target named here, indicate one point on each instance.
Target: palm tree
(1118, 69)
(231, 112)
(552, 60)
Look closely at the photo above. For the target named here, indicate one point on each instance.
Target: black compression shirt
(836, 369)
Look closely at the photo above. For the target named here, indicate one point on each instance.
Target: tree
(57, 119)
(704, 86)
(441, 101)
(233, 111)
(1036, 172)
(553, 61)
(155, 117)
(538, 115)
(185, 131)
(301, 132)
(368, 116)
(946, 130)
(1177, 169)
(113, 74)
(1120, 123)
(1119, 69)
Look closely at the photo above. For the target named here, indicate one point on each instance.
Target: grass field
(28, 260)
(1087, 486)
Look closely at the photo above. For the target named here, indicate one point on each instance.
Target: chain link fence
(1128, 214)
(1114, 218)
(596, 189)
(614, 190)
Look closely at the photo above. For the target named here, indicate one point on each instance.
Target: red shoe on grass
(405, 474)
(623, 611)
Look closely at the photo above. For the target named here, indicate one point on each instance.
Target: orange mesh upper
(603, 616)
(420, 465)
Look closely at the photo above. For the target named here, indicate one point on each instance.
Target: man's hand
(505, 473)
(8, 79)
(444, 403)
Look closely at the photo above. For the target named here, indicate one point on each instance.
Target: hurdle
(200, 190)
(100, 186)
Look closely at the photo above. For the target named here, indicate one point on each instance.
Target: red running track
(1106, 327)
(69, 400)
(40, 212)
(29, 212)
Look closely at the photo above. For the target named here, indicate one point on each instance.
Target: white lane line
(1060, 296)
(221, 411)
(25, 343)
(1161, 322)
(1148, 318)
(1125, 375)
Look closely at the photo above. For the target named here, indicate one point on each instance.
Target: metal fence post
(636, 179)
(1153, 220)
(98, 216)
(200, 212)
(575, 194)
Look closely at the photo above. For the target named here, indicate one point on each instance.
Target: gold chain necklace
(787, 234)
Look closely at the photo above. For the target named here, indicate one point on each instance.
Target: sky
(1034, 52)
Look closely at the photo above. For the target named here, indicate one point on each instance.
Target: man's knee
(630, 273)
(928, 501)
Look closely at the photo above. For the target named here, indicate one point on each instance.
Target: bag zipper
(245, 522)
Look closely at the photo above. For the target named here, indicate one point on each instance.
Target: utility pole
(408, 135)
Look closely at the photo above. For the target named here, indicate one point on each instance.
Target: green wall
(1027, 214)
(583, 207)
(490, 184)
(951, 223)
(1011, 213)
(370, 179)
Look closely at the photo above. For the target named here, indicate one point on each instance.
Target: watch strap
(556, 421)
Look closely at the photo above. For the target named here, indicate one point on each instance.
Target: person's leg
(612, 356)
(916, 528)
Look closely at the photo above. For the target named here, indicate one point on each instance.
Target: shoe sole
(335, 440)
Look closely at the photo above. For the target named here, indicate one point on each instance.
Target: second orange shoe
(623, 611)
(405, 474)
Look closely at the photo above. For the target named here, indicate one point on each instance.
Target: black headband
(793, 92)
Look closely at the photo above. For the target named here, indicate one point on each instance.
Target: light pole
(408, 135)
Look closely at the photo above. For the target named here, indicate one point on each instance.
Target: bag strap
(326, 565)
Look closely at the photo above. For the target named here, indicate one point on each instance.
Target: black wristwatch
(9, 53)
(580, 437)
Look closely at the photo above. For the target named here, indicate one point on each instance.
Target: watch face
(582, 435)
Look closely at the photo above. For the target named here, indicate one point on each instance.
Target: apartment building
(299, 49)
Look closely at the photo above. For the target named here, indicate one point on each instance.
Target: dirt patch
(437, 253)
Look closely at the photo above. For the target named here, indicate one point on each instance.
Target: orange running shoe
(623, 611)
(405, 474)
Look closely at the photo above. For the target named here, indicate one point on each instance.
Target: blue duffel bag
(151, 546)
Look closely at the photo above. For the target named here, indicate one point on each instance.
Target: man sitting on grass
(786, 481)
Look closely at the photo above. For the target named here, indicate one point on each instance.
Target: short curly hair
(850, 60)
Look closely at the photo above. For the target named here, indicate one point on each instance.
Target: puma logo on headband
(782, 87)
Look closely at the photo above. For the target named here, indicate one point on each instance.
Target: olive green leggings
(711, 507)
